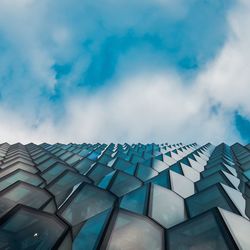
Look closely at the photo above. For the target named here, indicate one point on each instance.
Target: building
(125, 197)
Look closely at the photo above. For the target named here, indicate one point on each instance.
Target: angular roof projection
(139, 196)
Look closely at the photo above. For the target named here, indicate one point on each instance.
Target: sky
(125, 71)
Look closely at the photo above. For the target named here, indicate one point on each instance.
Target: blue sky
(141, 70)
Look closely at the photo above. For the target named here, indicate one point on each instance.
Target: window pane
(135, 232)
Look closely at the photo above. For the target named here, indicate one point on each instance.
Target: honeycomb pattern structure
(124, 197)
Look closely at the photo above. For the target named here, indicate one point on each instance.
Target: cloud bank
(105, 71)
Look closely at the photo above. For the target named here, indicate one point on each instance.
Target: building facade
(124, 197)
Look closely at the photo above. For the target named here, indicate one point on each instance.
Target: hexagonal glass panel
(26, 229)
(23, 193)
(87, 201)
(202, 232)
(166, 207)
(132, 231)
(124, 183)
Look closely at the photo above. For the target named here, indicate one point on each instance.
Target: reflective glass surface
(131, 231)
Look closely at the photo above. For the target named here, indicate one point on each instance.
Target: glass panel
(65, 155)
(124, 183)
(63, 186)
(42, 158)
(176, 168)
(27, 230)
(234, 180)
(73, 159)
(135, 232)
(106, 180)
(84, 152)
(50, 174)
(135, 200)
(145, 173)
(211, 180)
(196, 165)
(105, 159)
(89, 236)
(87, 203)
(84, 165)
(93, 156)
(20, 175)
(98, 172)
(125, 166)
(60, 152)
(159, 165)
(162, 179)
(190, 173)
(239, 228)
(18, 165)
(167, 207)
(181, 185)
(167, 159)
(24, 194)
(213, 170)
(247, 174)
(18, 159)
(43, 166)
(207, 199)
(199, 233)
(237, 198)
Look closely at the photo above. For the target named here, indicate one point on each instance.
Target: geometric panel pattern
(114, 196)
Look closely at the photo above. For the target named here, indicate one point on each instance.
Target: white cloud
(141, 108)
(144, 106)
(227, 78)
(148, 108)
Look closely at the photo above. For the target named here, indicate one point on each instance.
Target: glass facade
(124, 196)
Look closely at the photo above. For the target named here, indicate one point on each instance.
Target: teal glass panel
(65, 155)
(124, 166)
(132, 231)
(135, 201)
(124, 183)
(27, 230)
(213, 170)
(84, 165)
(60, 152)
(247, 174)
(42, 158)
(73, 159)
(104, 159)
(84, 152)
(98, 172)
(50, 174)
(23, 194)
(201, 232)
(211, 180)
(94, 155)
(176, 168)
(88, 202)
(207, 199)
(20, 175)
(145, 173)
(43, 166)
(89, 236)
(62, 186)
(106, 180)
(18, 165)
(162, 179)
